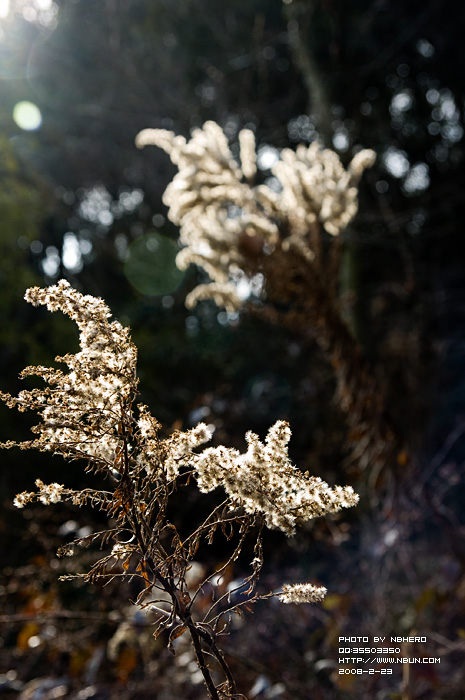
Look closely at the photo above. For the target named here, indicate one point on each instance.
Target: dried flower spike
(88, 413)
(226, 222)
(302, 593)
(263, 480)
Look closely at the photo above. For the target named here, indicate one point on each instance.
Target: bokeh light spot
(27, 116)
(151, 265)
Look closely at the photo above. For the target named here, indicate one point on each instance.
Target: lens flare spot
(27, 116)
(151, 265)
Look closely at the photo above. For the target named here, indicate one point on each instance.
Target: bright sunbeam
(27, 115)
(40, 12)
(4, 8)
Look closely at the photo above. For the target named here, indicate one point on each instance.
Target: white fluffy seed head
(302, 593)
(225, 221)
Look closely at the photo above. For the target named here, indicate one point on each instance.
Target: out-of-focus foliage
(21, 210)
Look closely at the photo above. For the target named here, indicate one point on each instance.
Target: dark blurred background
(78, 80)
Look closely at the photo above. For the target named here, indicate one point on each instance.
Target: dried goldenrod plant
(225, 221)
(282, 241)
(89, 413)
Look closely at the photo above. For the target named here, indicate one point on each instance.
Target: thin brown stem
(212, 691)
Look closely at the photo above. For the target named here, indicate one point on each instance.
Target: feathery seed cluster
(82, 411)
(88, 413)
(302, 593)
(226, 222)
(263, 480)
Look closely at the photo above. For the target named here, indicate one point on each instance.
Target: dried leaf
(176, 632)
